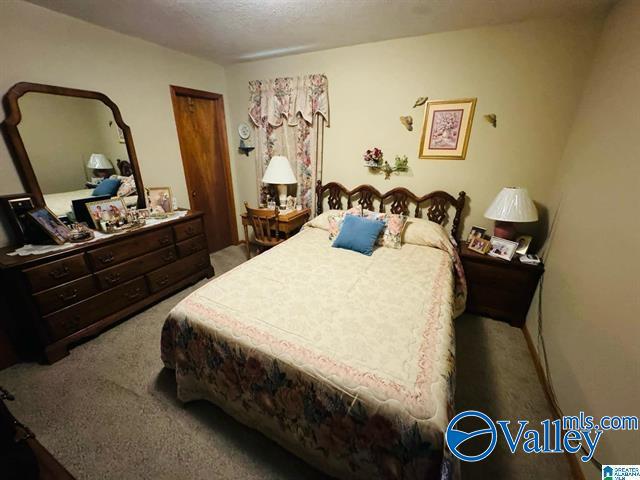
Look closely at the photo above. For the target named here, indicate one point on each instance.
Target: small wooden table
(290, 223)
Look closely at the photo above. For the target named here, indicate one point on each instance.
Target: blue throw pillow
(109, 186)
(358, 234)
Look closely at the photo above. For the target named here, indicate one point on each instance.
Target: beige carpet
(109, 410)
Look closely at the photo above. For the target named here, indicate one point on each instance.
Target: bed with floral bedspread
(345, 360)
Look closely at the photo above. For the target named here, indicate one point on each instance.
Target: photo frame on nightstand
(479, 244)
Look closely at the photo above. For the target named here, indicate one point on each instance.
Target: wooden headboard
(397, 200)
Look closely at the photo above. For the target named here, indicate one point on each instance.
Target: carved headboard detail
(397, 200)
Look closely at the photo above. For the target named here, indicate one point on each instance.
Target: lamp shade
(279, 171)
(99, 161)
(512, 204)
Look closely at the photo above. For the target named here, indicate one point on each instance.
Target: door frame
(176, 92)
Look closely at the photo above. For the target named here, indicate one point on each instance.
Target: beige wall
(591, 298)
(46, 47)
(530, 74)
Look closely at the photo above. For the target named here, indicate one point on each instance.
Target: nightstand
(498, 288)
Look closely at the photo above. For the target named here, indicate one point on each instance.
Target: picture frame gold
(49, 223)
(105, 205)
(446, 129)
(479, 244)
(160, 197)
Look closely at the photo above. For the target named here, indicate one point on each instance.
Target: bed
(345, 360)
(60, 203)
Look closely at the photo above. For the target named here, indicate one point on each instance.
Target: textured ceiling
(229, 31)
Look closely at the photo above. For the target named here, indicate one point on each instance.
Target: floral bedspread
(343, 359)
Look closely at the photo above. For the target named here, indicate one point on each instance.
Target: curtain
(289, 115)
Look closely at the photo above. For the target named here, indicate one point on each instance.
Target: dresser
(59, 298)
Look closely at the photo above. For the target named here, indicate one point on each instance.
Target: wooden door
(205, 156)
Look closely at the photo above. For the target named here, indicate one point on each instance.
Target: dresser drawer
(55, 273)
(59, 297)
(110, 255)
(191, 246)
(165, 276)
(76, 317)
(188, 229)
(114, 276)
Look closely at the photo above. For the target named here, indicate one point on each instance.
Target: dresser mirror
(70, 144)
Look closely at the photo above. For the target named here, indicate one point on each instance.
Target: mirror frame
(19, 153)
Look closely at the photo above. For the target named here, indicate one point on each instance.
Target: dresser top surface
(17, 261)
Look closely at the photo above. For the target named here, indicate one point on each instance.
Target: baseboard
(574, 465)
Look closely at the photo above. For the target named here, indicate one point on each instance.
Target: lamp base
(505, 230)
(282, 195)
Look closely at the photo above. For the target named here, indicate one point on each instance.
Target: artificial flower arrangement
(373, 159)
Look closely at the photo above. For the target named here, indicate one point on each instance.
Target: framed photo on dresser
(50, 224)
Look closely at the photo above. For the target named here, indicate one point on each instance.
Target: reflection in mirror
(76, 150)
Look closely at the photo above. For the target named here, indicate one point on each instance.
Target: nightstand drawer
(498, 277)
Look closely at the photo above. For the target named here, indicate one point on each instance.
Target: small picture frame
(501, 248)
(523, 244)
(160, 200)
(480, 244)
(50, 224)
(475, 232)
(106, 210)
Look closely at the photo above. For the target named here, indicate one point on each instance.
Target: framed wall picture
(107, 210)
(446, 129)
(160, 199)
(50, 224)
(501, 248)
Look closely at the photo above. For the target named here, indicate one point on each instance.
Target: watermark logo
(621, 472)
(456, 437)
(571, 434)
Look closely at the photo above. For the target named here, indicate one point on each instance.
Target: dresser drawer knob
(165, 240)
(169, 257)
(60, 272)
(190, 230)
(135, 294)
(112, 278)
(68, 297)
(163, 281)
(108, 258)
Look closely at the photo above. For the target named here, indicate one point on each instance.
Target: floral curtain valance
(272, 102)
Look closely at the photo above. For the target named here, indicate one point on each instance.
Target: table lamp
(100, 164)
(279, 173)
(512, 204)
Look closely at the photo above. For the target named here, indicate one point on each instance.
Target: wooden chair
(266, 227)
